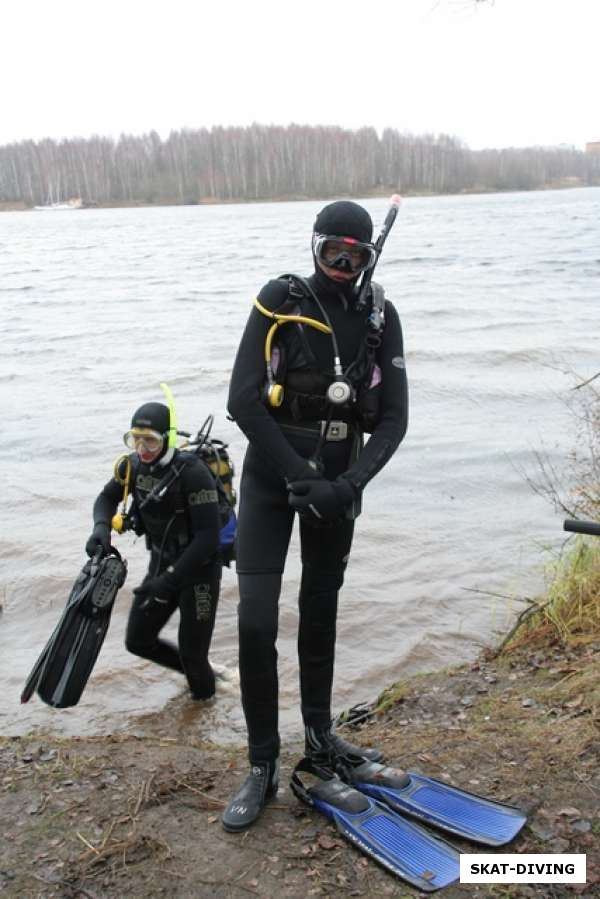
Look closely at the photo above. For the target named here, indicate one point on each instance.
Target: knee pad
(137, 647)
(316, 580)
(256, 628)
(258, 609)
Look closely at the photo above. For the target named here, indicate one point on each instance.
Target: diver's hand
(99, 538)
(307, 471)
(164, 586)
(326, 500)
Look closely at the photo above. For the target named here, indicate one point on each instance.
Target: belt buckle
(336, 430)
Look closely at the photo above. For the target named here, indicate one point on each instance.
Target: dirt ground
(123, 817)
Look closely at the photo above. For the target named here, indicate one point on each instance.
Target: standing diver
(176, 506)
(333, 354)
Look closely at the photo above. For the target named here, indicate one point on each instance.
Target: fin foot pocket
(66, 662)
(438, 804)
(412, 853)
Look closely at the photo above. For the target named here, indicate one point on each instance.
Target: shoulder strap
(168, 479)
(376, 319)
(298, 291)
(135, 467)
(362, 367)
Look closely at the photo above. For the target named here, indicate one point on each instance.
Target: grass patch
(391, 696)
(397, 692)
(569, 613)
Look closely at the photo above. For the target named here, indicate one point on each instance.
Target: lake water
(498, 295)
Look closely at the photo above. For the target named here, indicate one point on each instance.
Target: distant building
(593, 148)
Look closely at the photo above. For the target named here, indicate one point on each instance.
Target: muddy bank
(128, 817)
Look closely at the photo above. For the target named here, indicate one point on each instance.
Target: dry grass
(569, 613)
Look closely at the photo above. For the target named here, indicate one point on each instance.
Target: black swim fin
(63, 668)
(406, 849)
(434, 802)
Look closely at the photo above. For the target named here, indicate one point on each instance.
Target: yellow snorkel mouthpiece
(118, 522)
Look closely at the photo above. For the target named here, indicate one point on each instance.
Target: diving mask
(143, 438)
(344, 253)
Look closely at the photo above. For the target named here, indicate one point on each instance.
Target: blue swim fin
(436, 803)
(416, 855)
(63, 668)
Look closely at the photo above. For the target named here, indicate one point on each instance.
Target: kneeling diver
(181, 524)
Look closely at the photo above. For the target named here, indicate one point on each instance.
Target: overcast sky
(503, 73)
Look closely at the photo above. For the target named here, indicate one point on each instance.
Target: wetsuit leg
(147, 617)
(325, 554)
(198, 607)
(263, 535)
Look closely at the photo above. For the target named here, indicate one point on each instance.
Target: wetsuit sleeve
(247, 382)
(108, 500)
(201, 498)
(393, 420)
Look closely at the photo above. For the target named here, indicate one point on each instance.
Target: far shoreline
(565, 184)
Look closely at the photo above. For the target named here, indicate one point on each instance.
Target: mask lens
(344, 254)
(137, 438)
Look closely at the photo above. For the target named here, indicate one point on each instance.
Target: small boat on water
(74, 203)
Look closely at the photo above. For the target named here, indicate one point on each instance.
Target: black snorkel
(365, 284)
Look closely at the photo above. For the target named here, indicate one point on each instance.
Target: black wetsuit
(281, 442)
(182, 533)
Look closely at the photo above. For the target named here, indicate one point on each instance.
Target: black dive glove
(164, 586)
(323, 500)
(100, 537)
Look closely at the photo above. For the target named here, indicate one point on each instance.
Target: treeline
(271, 162)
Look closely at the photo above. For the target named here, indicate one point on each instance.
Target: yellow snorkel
(172, 415)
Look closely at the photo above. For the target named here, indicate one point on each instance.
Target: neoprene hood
(345, 219)
(152, 415)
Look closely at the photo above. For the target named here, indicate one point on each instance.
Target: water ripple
(498, 296)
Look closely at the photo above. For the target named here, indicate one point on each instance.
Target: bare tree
(273, 162)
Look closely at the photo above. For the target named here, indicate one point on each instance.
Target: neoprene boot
(259, 787)
(325, 746)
